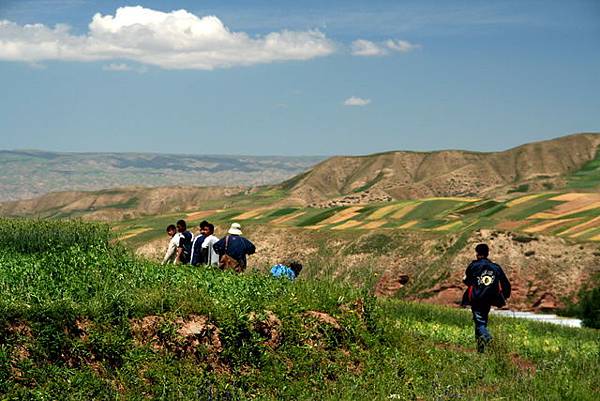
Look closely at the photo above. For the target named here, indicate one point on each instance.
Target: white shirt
(171, 253)
(213, 257)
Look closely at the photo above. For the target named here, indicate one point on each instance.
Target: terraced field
(571, 215)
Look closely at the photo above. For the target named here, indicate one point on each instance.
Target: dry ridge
(413, 175)
(118, 204)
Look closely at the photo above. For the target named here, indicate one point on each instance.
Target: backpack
(487, 286)
(186, 244)
(227, 262)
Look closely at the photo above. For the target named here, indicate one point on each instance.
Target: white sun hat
(235, 229)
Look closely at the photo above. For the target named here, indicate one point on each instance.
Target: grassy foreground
(83, 319)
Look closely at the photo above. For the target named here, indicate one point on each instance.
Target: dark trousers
(480, 318)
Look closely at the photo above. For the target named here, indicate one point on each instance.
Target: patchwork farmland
(570, 215)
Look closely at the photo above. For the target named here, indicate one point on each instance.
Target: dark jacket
(185, 242)
(487, 284)
(198, 256)
(237, 247)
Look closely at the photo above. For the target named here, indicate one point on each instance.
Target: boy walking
(487, 287)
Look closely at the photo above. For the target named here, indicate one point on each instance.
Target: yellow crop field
(343, 215)
(285, 219)
(405, 210)
(546, 225)
(595, 222)
(409, 224)
(522, 199)
(384, 211)
(201, 214)
(348, 224)
(448, 226)
(374, 224)
(249, 215)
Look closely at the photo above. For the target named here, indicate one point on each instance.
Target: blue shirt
(280, 270)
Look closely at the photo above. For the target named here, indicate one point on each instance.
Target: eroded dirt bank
(544, 271)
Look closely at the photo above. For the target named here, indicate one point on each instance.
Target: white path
(554, 319)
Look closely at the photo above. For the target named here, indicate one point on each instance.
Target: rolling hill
(414, 175)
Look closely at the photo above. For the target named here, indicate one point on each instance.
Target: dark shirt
(198, 254)
(185, 242)
(487, 284)
(237, 247)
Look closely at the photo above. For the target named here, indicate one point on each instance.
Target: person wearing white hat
(234, 248)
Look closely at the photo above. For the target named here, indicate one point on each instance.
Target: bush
(41, 235)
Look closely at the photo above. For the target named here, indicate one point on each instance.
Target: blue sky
(296, 78)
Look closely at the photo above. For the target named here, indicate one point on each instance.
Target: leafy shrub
(40, 235)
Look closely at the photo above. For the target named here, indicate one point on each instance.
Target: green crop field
(82, 318)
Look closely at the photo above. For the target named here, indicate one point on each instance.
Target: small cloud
(356, 101)
(402, 46)
(367, 48)
(117, 67)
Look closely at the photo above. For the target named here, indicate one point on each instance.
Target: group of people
(206, 249)
(487, 284)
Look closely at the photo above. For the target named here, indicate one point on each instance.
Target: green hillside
(87, 320)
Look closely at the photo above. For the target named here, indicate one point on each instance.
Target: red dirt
(324, 318)
(269, 327)
(390, 283)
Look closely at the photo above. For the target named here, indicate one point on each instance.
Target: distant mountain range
(570, 162)
(27, 174)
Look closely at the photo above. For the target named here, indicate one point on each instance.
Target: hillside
(571, 162)
(90, 321)
(28, 174)
(415, 175)
(117, 204)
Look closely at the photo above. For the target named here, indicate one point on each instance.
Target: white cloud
(402, 46)
(363, 47)
(117, 67)
(356, 101)
(174, 40)
(366, 48)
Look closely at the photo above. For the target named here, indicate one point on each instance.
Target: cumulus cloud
(366, 48)
(173, 40)
(356, 101)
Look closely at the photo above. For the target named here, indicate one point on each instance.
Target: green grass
(520, 188)
(318, 216)
(430, 209)
(282, 212)
(70, 329)
(588, 177)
